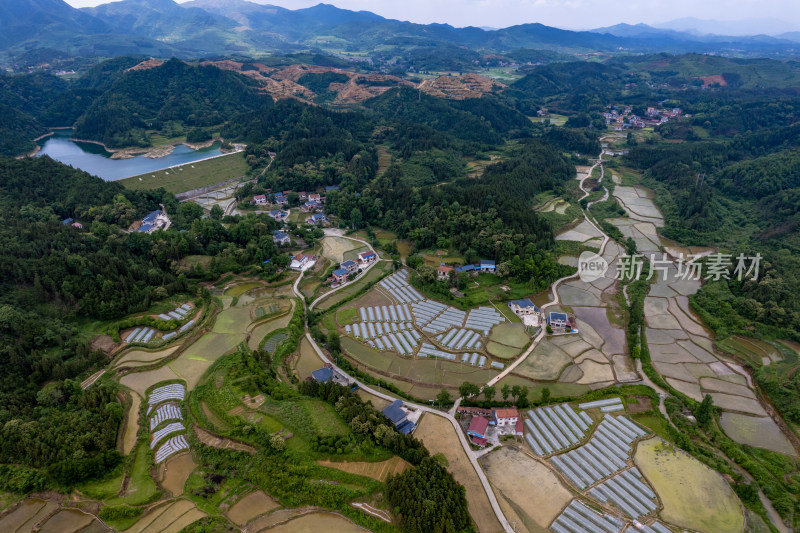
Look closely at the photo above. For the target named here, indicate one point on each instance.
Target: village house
(557, 320)
(323, 375)
(477, 430)
(523, 307)
(487, 265)
(484, 265)
(315, 198)
(317, 219)
(280, 199)
(154, 221)
(302, 262)
(505, 416)
(367, 257)
(311, 206)
(466, 269)
(279, 215)
(443, 274)
(281, 238)
(340, 275)
(349, 265)
(260, 199)
(399, 417)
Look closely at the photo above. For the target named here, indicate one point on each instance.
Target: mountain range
(217, 28)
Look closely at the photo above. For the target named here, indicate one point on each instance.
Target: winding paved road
(554, 288)
(450, 415)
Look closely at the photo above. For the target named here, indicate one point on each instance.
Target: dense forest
(54, 275)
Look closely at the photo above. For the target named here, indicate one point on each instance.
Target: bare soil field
(305, 360)
(142, 356)
(131, 427)
(209, 439)
(334, 248)
(545, 363)
(529, 488)
(439, 437)
(379, 471)
(597, 317)
(510, 335)
(26, 515)
(163, 516)
(309, 523)
(177, 470)
(249, 507)
(694, 496)
(67, 521)
(379, 403)
(141, 381)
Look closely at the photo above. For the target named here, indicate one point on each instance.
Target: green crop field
(191, 175)
(510, 335)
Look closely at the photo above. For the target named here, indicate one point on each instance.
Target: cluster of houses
(351, 268)
(622, 117)
(532, 316)
(311, 203)
(484, 265)
(505, 419)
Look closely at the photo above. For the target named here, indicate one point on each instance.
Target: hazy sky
(571, 14)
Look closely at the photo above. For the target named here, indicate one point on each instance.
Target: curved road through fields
(448, 415)
(554, 289)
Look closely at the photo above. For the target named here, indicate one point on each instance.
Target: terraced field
(694, 496)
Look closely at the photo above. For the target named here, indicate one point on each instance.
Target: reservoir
(94, 159)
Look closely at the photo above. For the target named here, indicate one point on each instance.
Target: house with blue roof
(340, 275)
(67, 221)
(395, 413)
(281, 238)
(279, 198)
(523, 307)
(311, 205)
(557, 320)
(487, 265)
(151, 217)
(528, 311)
(465, 268)
(153, 221)
(322, 375)
(279, 215)
(317, 219)
(350, 265)
(330, 188)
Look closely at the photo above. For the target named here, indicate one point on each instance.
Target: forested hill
(55, 278)
(191, 96)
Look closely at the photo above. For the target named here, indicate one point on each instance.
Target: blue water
(94, 159)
